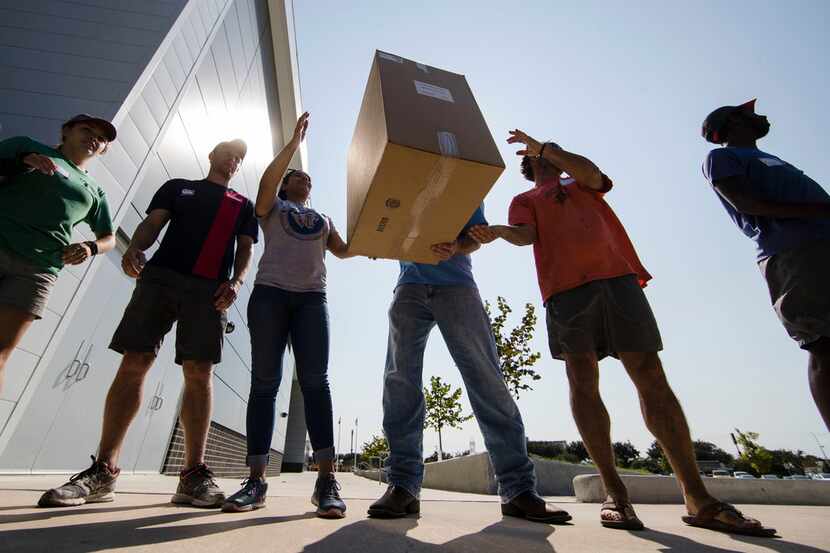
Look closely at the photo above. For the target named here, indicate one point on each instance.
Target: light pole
(352, 440)
(338, 463)
(355, 436)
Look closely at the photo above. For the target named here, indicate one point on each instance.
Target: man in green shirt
(44, 193)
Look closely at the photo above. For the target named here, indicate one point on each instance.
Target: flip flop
(626, 510)
(706, 518)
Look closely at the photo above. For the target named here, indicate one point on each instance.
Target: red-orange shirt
(579, 239)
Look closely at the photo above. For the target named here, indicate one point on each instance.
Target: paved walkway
(142, 519)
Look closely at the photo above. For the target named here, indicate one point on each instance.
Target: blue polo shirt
(771, 179)
(455, 271)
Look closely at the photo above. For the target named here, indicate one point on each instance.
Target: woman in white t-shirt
(289, 301)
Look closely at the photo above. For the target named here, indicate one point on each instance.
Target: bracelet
(542, 150)
(92, 246)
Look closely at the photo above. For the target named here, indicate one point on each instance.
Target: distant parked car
(720, 473)
(769, 477)
(797, 477)
(821, 476)
(745, 476)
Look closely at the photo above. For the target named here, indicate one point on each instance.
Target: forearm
(580, 168)
(516, 235)
(242, 263)
(269, 184)
(779, 210)
(144, 236)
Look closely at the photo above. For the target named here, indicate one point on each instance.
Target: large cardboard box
(421, 160)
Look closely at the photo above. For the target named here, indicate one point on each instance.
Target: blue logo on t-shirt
(301, 222)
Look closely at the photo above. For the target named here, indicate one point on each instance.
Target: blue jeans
(460, 316)
(274, 315)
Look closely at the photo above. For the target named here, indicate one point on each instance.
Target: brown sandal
(626, 510)
(707, 518)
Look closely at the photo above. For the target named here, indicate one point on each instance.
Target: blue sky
(627, 85)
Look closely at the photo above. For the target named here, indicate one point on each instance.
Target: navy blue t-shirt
(205, 219)
(771, 179)
(455, 271)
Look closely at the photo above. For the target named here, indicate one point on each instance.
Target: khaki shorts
(23, 285)
(604, 316)
(163, 297)
(799, 288)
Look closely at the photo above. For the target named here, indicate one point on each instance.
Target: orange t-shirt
(579, 239)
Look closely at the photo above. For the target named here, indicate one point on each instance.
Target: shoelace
(249, 484)
(88, 472)
(206, 473)
(329, 488)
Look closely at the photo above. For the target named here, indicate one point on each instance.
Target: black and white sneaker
(326, 498)
(250, 497)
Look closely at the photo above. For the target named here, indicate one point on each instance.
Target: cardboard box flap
(432, 110)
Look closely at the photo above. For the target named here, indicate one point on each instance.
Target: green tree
(577, 449)
(376, 447)
(658, 458)
(707, 451)
(516, 357)
(443, 409)
(752, 453)
(625, 453)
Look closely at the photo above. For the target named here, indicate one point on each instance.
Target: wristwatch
(92, 246)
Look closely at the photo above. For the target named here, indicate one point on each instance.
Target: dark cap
(109, 132)
(715, 122)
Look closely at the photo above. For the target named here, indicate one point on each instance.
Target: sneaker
(326, 498)
(94, 485)
(197, 487)
(250, 497)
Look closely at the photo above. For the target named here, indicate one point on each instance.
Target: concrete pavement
(142, 519)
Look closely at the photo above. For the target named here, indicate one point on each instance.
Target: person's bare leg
(594, 424)
(819, 377)
(665, 420)
(123, 403)
(14, 323)
(197, 406)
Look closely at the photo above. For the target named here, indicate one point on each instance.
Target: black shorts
(163, 297)
(604, 316)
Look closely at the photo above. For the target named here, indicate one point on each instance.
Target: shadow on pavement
(390, 536)
(36, 513)
(681, 544)
(100, 535)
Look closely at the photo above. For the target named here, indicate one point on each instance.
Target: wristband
(92, 246)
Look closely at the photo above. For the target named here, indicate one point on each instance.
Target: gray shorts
(799, 287)
(604, 316)
(163, 297)
(23, 285)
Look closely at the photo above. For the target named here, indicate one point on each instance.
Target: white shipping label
(448, 144)
(434, 91)
(390, 57)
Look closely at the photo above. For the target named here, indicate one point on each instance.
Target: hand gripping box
(420, 162)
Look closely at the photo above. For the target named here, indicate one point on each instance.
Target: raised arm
(269, 184)
(734, 190)
(580, 168)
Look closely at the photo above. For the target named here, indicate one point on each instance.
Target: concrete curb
(665, 489)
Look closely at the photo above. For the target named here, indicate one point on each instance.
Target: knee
(646, 370)
(313, 382)
(264, 386)
(197, 373)
(583, 374)
(136, 364)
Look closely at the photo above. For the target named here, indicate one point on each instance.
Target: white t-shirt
(295, 248)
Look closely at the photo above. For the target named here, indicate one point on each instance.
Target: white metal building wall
(176, 77)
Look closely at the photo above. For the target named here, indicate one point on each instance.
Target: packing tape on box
(437, 182)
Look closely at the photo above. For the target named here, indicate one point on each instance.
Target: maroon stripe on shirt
(209, 262)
